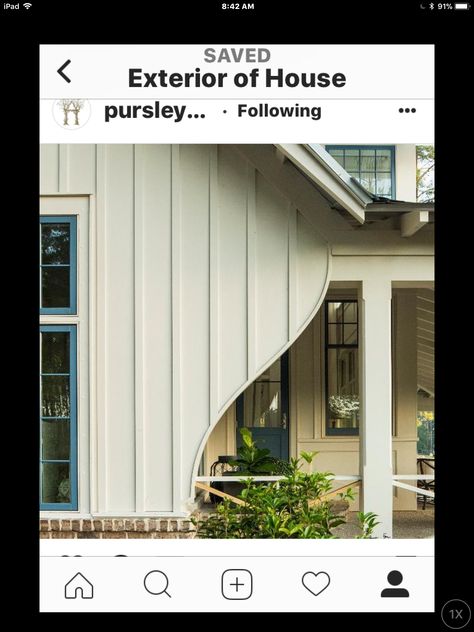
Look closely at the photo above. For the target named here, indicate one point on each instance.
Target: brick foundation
(115, 528)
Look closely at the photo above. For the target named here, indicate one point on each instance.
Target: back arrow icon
(60, 71)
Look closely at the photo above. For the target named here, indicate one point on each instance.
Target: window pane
(367, 180)
(55, 439)
(351, 152)
(55, 483)
(55, 240)
(272, 373)
(350, 312)
(262, 405)
(55, 287)
(350, 334)
(335, 312)
(384, 184)
(352, 163)
(342, 388)
(55, 396)
(384, 160)
(55, 352)
(334, 334)
(367, 162)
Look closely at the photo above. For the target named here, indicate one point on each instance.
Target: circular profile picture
(71, 113)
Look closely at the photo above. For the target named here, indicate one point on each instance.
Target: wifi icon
(27, 5)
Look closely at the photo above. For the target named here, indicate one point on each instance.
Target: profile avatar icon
(71, 114)
(394, 578)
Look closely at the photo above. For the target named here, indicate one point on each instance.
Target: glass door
(263, 408)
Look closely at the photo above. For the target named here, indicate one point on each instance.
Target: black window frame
(351, 432)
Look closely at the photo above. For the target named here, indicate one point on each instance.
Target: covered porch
(378, 359)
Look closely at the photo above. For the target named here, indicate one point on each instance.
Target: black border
(366, 22)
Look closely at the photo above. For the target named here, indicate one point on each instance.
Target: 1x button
(456, 614)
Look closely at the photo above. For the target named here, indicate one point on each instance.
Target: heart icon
(316, 583)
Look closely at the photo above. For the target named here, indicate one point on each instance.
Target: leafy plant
(367, 524)
(294, 507)
(254, 460)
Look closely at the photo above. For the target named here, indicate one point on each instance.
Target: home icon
(79, 586)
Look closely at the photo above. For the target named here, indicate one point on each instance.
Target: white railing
(413, 477)
(236, 479)
(349, 477)
(412, 488)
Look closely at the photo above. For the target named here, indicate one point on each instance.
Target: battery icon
(462, 5)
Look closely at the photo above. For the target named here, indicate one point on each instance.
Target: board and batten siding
(203, 275)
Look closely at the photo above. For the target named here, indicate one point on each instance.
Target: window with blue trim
(372, 166)
(58, 369)
(341, 362)
(58, 419)
(58, 264)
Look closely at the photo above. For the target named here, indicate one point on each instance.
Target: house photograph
(210, 313)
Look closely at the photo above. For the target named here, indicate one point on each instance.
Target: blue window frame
(58, 264)
(58, 417)
(341, 367)
(371, 165)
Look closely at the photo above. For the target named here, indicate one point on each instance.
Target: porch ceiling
(425, 339)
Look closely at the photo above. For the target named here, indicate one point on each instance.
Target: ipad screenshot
(237, 297)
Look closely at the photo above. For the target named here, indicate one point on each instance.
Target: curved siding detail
(205, 275)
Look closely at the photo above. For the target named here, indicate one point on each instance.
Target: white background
(357, 569)
(380, 80)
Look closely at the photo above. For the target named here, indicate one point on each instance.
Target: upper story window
(342, 367)
(58, 265)
(372, 166)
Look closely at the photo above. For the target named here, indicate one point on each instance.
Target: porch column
(376, 401)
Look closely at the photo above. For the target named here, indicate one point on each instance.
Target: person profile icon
(394, 578)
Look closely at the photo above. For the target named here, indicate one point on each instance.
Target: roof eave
(351, 184)
(317, 169)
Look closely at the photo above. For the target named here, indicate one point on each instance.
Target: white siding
(115, 200)
(271, 270)
(233, 175)
(205, 274)
(49, 174)
(405, 172)
(153, 354)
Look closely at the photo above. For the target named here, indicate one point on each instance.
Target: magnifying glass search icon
(156, 583)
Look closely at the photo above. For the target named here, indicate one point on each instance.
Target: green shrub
(290, 508)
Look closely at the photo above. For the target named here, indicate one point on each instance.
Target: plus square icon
(237, 583)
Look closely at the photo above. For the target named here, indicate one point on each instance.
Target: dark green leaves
(254, 460)
(294, 507)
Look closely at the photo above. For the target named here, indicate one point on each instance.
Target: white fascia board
(351, 183)
(412, 222)
(324, 178)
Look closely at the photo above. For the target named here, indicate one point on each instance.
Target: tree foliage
(425, 163)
